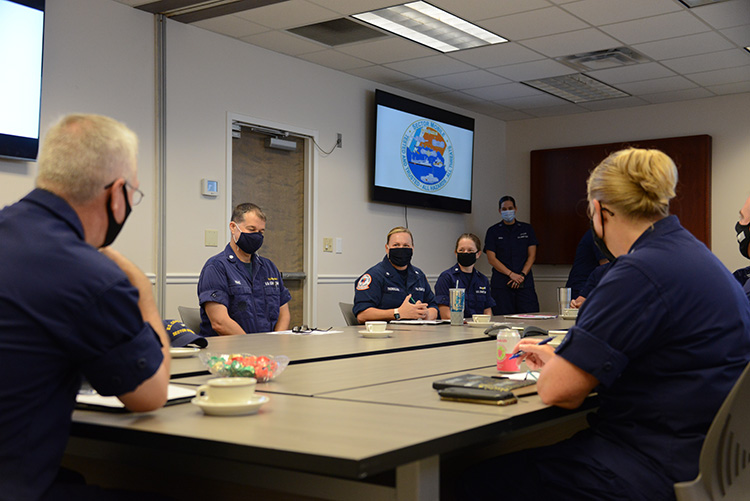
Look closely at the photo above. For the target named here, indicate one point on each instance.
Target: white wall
(724, 118)
(210, 76)
(98, 58)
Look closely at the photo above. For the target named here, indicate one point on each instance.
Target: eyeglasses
(305, 329)
(603, 208)
(137, 194)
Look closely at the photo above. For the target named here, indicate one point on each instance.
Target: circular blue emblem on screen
(427, 155)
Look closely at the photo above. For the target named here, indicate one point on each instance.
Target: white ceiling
(693, 53)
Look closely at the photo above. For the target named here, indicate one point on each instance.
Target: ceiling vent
(576, 88)
(337, 32)
(603, 59)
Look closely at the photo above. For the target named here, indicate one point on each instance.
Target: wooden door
(274, 180)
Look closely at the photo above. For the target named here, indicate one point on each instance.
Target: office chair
(349, 316)
(191, 317)
(725, 456)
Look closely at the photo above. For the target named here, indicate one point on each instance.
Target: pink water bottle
(507, 339)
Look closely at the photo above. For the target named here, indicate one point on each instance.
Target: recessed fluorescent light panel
(576, 88)
(697, 3)
(430, 26)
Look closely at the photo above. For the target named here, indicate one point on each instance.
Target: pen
(544, 341)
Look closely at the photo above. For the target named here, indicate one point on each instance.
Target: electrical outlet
(327, 244)
(338, 140)
(211, 238)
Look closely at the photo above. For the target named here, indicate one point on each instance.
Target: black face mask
(743, 237)
(113, 227)
(599, 242)
(467, 259)
(400, 256)
(250, 242)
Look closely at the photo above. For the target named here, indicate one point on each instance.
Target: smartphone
(477, 396)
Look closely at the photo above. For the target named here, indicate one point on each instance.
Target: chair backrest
(191, 317)
(725, 455)
(349, 316)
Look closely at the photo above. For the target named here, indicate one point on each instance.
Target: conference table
(350, 418)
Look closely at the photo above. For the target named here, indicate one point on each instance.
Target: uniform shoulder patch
(364, 282)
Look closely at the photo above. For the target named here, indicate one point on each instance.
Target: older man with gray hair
(69, 306)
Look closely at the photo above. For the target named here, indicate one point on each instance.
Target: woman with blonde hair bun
(662, 339)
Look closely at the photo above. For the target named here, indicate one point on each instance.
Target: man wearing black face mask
(70, 307)
(394, 289)
(239, 291)
(742, 229)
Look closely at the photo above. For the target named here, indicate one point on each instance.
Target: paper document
(92, 400)
(420, 322)
(531, 316)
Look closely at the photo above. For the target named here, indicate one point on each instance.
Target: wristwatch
(396, 316)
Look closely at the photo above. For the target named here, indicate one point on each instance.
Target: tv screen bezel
(20, 147)
(416, 199)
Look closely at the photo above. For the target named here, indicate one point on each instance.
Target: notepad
(94, 401)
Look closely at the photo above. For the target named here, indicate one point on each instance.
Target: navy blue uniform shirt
(253, 302)
(510, 243)
(477, 287)
(65, 310)
(587, 258)
(383, 287)
(667, 333)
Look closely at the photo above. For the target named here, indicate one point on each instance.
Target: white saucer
(216, 409)
(380, 334)
(187, 351)
(480, 324)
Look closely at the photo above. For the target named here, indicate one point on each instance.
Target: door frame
(310, 256)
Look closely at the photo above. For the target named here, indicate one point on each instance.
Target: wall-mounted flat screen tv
(21, 43)
(423, 155)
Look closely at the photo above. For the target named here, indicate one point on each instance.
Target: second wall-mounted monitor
(423, 155)
(21, 44)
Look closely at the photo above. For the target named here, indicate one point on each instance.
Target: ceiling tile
(474, 11)
(725, 14)
(333, 59)
(505, 91)
(380, 74)
(739, 35)
(231, 25)
(720, 77)
(348, 7)
(532, 70)
(613, 104)
(706, 62)
(657, 85)
(573, 42)
(469, 79)
(281, 41)
(732, 88)
(497, 55)
(420, 86)
(632, 73)
(542, 100)
(600, 12)
(387, 50)
(556, 111)
(288, 14)
(684, 46)
(430, 66)
(533, 24)
(682, 95)
(656, 28)
(456, 98)
(510, 116)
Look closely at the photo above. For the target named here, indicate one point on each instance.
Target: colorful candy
(263, 368)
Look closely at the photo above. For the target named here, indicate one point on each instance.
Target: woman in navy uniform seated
(477, 286)
(662, 339)
(394, 289)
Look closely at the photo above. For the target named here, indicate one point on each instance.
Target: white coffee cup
(481, 319)
(227, 390)
(375, 326)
